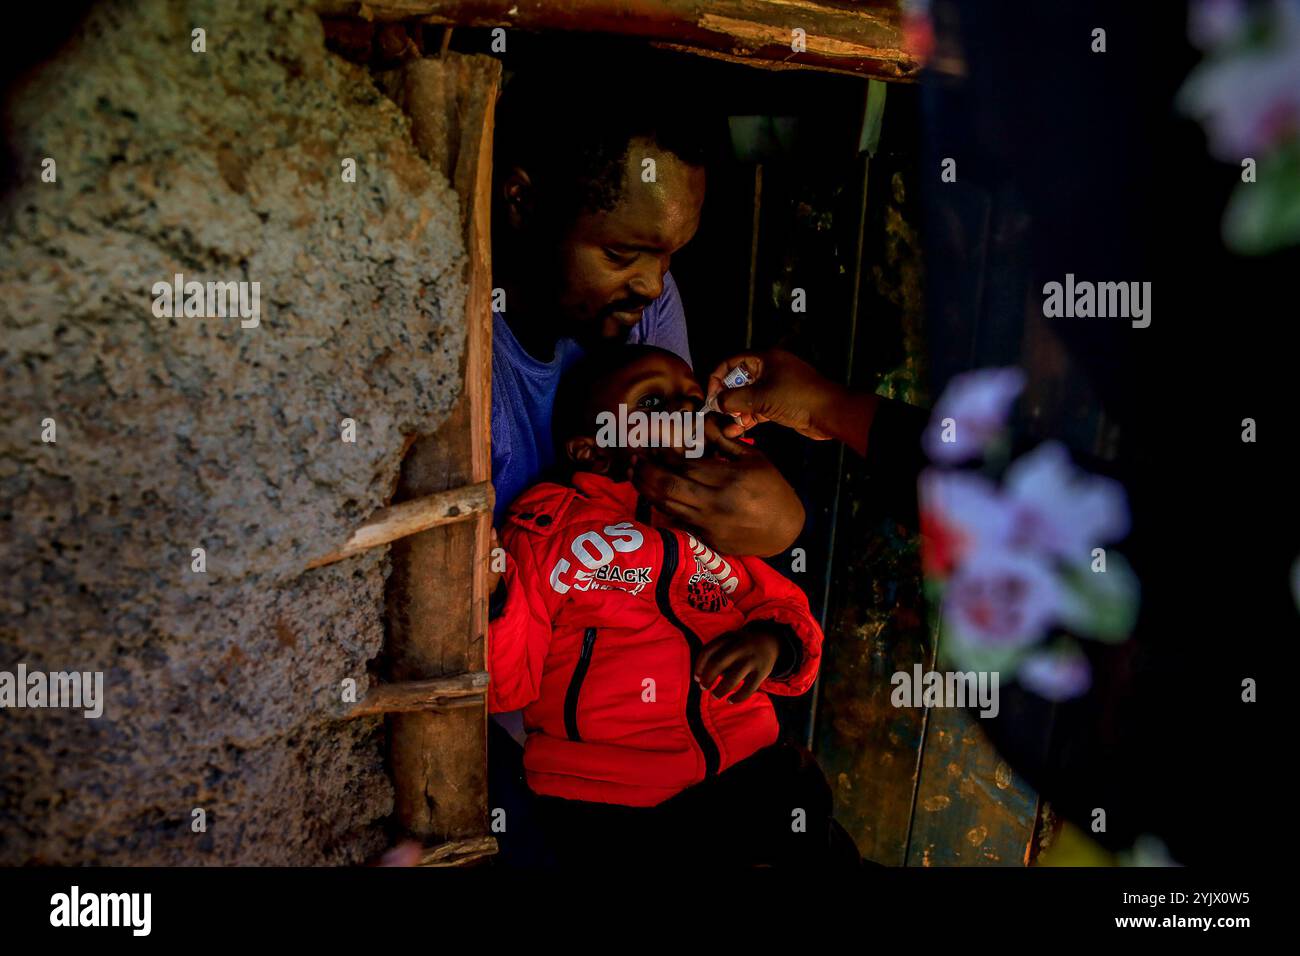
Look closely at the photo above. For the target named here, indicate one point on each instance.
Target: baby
(643, 659)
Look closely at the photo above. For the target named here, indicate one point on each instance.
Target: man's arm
(848, 416)
(790, 392)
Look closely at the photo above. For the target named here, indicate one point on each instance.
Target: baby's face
(656, 383)
(659, 382)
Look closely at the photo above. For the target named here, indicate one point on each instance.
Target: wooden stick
(865, 39)
(436, 596)
(459, 852)
(412, 517)
(438, 693)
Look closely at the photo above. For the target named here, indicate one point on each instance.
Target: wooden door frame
(439, 526)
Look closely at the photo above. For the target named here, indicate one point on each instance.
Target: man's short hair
(570, 130)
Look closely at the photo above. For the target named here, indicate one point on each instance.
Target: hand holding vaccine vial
(736, 377)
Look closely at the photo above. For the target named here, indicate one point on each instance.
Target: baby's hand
(742, 659)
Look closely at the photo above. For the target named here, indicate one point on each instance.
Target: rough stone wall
(177, 433)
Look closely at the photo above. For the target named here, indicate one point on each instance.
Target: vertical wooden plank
(870, 749)
(971, 809)
(875, 621)
(437, 599)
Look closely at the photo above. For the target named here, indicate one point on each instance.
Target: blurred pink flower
(960, 512)
(1013, 560)
(978, 403)
(1058, 674)
(1047, 508)
(1247, 99)
(1058, 510)
(1001, 600)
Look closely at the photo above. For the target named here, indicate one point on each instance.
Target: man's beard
(593, 334)
(604, 328)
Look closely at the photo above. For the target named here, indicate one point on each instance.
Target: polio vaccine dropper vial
(736, 377)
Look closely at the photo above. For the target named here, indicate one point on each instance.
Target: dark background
(1077, 162)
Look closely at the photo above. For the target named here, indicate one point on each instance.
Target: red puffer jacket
(602, 620)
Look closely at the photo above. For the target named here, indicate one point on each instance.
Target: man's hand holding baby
(735, 499)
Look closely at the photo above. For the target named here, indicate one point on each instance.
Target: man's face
(612, 264)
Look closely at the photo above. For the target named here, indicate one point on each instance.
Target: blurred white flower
(1048, 507)
(1212, 23)
(960, 513)
(1001, 600)
(1057, 509)
(1014, 560)
(1248, 99)
(978, 404)
(1057, 674)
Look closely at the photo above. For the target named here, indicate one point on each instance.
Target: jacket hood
(546, 504)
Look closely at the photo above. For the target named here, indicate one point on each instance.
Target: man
(594, 193)
(595, 189)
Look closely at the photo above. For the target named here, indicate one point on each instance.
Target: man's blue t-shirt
(523, 391)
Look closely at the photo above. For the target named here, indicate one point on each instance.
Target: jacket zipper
(575, 685)
(694, 693)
